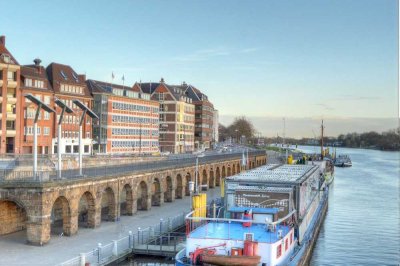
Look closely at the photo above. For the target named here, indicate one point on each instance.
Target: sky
(335, 60)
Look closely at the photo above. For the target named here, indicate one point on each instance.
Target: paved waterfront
(14, 251)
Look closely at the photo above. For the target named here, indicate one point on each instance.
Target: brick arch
(142, 195)
(217, 177)
(17, 216)
(127, 204)
(211, 180)
(87, 210)
(61, 217)
(108, 205)
(229, 171)
(168, 193)
(204, 179)
(156, 192)
(179, 187)
(188, 178)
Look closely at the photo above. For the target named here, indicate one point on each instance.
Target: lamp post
(64, 108)
(90, 113)
(237, 136)
(45, 107)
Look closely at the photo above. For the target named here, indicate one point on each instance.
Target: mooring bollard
(130, 239)
(138, 235)
(83, 259)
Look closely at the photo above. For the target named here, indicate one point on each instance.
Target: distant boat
(343, 161)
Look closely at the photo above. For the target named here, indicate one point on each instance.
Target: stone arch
(211, 183)
(156, 192)
(233, 169)
(168, 189)
(188, 178)
(126, 201)
(204, 180)
(217, 177)
(142, 196)
(229, 172)
(61, 217)
(238, 168)
(108, 206)
(13, 216)
(87, 210)
(223, 174)
(179, 187)
(252, 165)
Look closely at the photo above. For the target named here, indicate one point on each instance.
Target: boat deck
(236, 231)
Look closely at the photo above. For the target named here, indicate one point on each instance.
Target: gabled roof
(149, 87)
(59, 73)
(4, 51)
(35, 72)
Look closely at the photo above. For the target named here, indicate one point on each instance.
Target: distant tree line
(241, 126)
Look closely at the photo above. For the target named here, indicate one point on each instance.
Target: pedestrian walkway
(14, 251)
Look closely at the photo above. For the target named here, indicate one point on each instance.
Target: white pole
(196, 174)
(59, 150)
(35, 149)
(80, 149)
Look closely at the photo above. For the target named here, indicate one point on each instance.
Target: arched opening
(108, 207)
(126, 200)
(211, 183)
(86, 210)
(229, 171)
(142, 196)
(218, 177)
(168, 189)
(252, 164)
(60, 217)
(188, 179)
(204, 180)
(156, 193)
(233, 169)
(238, 168)
(223, 171)
(13, 217)
(179, 187)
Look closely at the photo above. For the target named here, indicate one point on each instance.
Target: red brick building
(67, 86)
(34, 81)
(176, 116)
(129, 119)
(10, 100)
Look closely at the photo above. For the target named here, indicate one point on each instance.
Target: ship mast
(322, 139)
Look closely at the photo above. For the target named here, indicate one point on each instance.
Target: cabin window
(278, 251)
(286, 244)
(291, 238)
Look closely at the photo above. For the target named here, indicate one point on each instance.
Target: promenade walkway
(14, 251)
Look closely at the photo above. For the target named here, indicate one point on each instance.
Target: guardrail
(118, 249)
(12, 176)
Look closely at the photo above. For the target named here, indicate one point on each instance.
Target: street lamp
(89, 112)
(64, 108)
(40, 105)
(237, 136)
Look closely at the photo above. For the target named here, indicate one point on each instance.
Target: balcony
(11, 116)
(11, 133)
(11, 83)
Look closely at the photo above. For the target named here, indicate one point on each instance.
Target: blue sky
(333, 59)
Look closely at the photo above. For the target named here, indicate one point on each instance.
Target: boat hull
(231, 260)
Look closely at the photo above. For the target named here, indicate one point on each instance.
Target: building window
(88, 135)
(46, 130)
(76, 149)
(11, 76)
(278, 251)
(86, 149)
(46, 115)
(28, 82)
(55, 149)
(68, 149)
(47, 99)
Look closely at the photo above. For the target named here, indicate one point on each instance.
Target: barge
(271, 216)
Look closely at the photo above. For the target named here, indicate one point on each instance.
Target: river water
(362, 225)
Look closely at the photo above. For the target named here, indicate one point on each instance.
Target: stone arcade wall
(71, 203)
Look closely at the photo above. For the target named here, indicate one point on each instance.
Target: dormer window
(75, 77)
(63, 75)
(6, 58)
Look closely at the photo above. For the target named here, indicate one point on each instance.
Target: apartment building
(204, 118)
(68, 86)
(128, 119)
(176, 116)
(10, 100)
(34, 81)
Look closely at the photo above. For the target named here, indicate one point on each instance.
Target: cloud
(249, 50)
(203, 55)
(325, 106)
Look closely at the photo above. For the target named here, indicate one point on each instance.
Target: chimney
(184, 83)
(82, 77)
(37, 62)
(162, 80)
